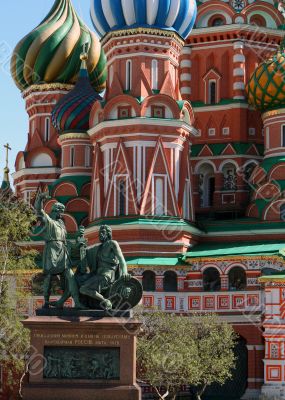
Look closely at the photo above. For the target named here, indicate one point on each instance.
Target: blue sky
(17, 18)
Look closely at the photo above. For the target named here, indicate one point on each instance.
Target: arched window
(258, 20)
(97, 204)
(148, 281)
(122, 197)
(159, 197)
(128, 75)
(282, 212)
(212, 92)
(283, 136)
(207, 185)
(230, 177)
(186, 200)
(72, 156)
(154, 74)
(217, 21)
(211, 280)
(87, 156)
(111, 74)
(47, 129)
(237, 279)
(170, 281)
(33, 125)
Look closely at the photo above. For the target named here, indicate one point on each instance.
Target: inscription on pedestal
(80, 339)
(82, 363)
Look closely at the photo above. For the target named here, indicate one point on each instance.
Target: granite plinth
(72, 312)
(83, 357)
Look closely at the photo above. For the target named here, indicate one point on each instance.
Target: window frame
(47, 129)
(129, 75)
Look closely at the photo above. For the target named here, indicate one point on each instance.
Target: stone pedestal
(82, 358)
(273, 392)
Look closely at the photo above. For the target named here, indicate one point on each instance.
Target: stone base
(273, 392)
(251, 394)
(72, 312)
(82, 392)
(86, 358)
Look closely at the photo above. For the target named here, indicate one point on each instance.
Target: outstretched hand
(126, 277)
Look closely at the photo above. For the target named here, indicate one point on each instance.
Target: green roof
(268, 163)
(231, 249)
(241, 224)
(170, 262)
(147, 220)
(222, 102)
(78, 181)
(218, 148)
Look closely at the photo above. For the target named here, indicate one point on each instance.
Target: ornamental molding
(159, 271)
(142, 31)
(250, 264)
(47, 87)
(74, 135)
(273, 113)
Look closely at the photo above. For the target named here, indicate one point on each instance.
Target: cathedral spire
(6, 180)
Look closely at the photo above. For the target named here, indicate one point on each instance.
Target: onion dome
(174, 15)
(5, 186)
(72, 112)
(50, 53)
(266, 87)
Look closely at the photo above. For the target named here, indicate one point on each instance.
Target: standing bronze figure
(55, 256)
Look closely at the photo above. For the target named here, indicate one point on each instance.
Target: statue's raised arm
(39, 205)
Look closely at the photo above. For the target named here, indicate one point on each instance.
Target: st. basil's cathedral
(167, 122)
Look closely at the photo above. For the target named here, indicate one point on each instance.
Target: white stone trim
(239, 72)
(186, 90)
(185, 77)
(238, 45)
(239, 86)
(239, 58)
(220, 108)
(35, 171)
(142, 121)
(186, 64)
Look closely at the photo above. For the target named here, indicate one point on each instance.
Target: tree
(176, 350)
(215, 341)
(16, 219)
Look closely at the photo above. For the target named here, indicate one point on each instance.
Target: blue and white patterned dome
(174, 15)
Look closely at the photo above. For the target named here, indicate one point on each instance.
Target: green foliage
(16, 219)
(14, 342)
(175, 350)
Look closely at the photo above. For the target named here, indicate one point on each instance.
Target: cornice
(46, 87)
(143, 31)
(73, 135)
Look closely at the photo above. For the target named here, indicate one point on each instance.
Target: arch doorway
(206, 185)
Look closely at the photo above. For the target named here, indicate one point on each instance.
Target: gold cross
(7, 147)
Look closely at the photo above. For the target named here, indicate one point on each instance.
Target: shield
(126, 294)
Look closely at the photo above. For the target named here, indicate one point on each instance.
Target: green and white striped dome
(51, 52)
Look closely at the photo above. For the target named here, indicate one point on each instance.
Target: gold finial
(84, 54)
(7, 147)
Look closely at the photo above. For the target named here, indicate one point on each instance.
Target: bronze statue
(107, 265)
(101, 279)
(107, 280)
(55, 256)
